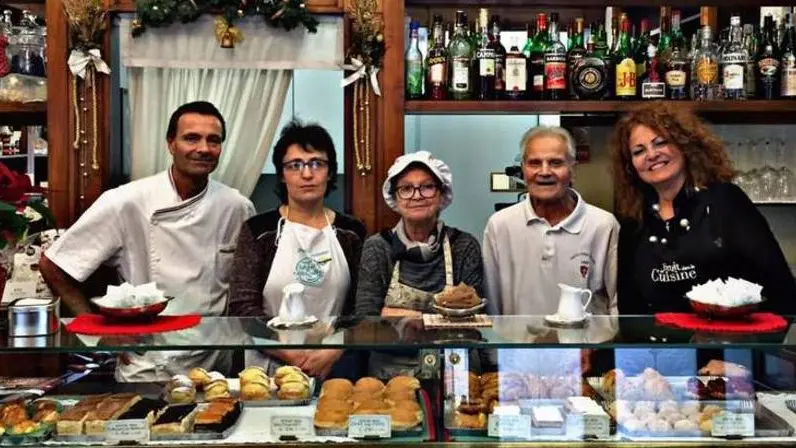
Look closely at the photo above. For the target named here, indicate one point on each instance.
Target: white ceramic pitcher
(570, 304)
(292, 308)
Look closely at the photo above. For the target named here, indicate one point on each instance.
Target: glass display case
(616, 381)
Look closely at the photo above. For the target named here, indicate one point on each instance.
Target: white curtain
(250, 100)
(171, 66)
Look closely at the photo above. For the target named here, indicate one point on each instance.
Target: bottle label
(516, 76)
(436, 70)
(538, 82)
(461, 75)
(626, 77)
(733, 75)
(768, 67)
(414, 77)
(707, 71)
(675, 79)
(788, 87)
(555, 72)
(486, 61)
(500, 74)
(653, 90)
(641, 68)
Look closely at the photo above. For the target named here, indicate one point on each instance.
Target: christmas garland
(285, 14)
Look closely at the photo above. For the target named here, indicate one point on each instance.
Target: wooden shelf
(593, 107)
(24, 108)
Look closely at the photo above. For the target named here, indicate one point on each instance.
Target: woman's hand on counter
(318, 363)
(399, 312)
(289, 357)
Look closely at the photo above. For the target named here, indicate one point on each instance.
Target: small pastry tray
(31, 439)
(222, 433)
(419, 430)
(234, 392)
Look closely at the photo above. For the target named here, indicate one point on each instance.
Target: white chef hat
(439, 168)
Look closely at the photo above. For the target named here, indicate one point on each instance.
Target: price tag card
(296, 426)
(509, 426)
(369, 426)
(728, 424)
(18, 290)
(117, 431)
(589, 425)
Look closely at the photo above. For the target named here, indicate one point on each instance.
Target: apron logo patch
(673, 272)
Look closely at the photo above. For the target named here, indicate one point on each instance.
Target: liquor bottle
(640, 52)
(625, 65)
(414, 65)
(516, 74)
(665, 38)
(485, 60)
(577, 51)
(733, 63)
(677, 66)
(706, 68)
(460, 56)
(590, 77)
(536, 58)
(500, 58)
(788, 61)
(555, 64)
(652, 85)
(750, 43)
(437, 64)
(767, 60)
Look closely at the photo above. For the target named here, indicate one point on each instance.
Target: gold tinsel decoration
(227, 35)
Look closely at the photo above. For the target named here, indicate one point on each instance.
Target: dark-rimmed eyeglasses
(408, 191)
(298, 165)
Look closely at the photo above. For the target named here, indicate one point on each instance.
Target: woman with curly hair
(683, 221)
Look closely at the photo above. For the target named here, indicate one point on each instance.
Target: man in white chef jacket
(177, 228)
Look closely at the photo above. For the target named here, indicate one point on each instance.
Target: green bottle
(414, 65)
(460, 61)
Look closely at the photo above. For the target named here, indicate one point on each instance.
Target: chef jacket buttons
(664, 241)
(653, 239)
(656, 207)
(685, 224)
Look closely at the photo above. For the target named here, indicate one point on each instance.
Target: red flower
(14, 186)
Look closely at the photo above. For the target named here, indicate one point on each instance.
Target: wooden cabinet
(315, 6)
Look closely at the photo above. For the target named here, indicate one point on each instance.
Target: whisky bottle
(706, 68)
(625, 71)
(788, 62)
(577, 51)
(767, 61)
(500, 58)
(590, 77)
(750, 43)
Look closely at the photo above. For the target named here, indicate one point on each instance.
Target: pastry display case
(511, 379)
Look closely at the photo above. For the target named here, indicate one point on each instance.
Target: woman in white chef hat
(401, 269)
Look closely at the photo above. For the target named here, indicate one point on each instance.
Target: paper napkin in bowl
(129, 296)
(730, 293)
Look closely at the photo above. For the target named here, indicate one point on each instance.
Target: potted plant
(23, 212)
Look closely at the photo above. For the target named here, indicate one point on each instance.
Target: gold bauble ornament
(227, 41)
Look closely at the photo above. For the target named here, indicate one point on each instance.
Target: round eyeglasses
(408, 191)
(298, 165)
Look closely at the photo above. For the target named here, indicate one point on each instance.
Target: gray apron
(386, 365)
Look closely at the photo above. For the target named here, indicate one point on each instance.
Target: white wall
(315, 96)
(473, 146)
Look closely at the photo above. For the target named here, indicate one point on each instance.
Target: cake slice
(148, 409)
(109, 409)
(175, 419)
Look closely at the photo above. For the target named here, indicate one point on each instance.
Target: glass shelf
(375, 333)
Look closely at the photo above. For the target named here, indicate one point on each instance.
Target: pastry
(292, 378)
(689, 408)
(710, 410)
(175, 419)
(293, 391)
(46, 416)
(685, 425)
(403, 382)
(470, 421)
(658, 389)
(658, 425)
(199, 377)
(257, 389)
(326, 403)
(717, 388)
(473, 407)
(460, 296)
(696, 389)
(331, 419)
(108, 409)
(217, 416)
(148, 409)
(24, 427)
(372, 407)
(408, 405)
(474, 384)
(179, 381)
(337, 388)
(402, 419)
(369, 385)
(250, 374)
(284, 371)
(394, 395)
(724, 369)
(217, 389)
(71, 421)
(44, 404)
(706, 426)
(13, 414)
(182, 395)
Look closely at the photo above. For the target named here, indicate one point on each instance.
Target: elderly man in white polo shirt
(554, 237)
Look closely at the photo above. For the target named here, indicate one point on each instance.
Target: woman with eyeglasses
(401, 269)
(303, 242)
